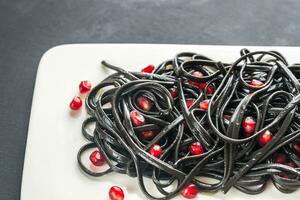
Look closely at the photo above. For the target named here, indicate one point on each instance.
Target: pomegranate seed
(204, 105)
(296, 147)
(189, 102)
(198, 75)
(84, 87)
(148, 134)
(148, 69)
(256, 83)
(248, 125)
(155, 150)
(190, 191)
(116, 193)
(194, 83)
(209, 89)
(97, 158)
(136, 118)
(265, 137)
(173, 92)
(201, 85)
(280, 158)
(144, 103)
(196, 149)
(76, 103)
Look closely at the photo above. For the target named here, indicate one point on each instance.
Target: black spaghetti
(242, 117)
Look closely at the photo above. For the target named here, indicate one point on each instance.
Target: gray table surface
(29, 28)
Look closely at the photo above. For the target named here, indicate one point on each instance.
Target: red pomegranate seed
(76, 103)
(136, 118)
(84, 87)
(209, 88)
(148, 135)
(189, 102)
(190, 191)
(198, 75)
(173, 92)
(201, 85)
(97, 158)
(148, 69)
(256, 83)
(155, 150)
(279, 158)
(144, 103)
(248, 125)
(204, 105)
(196, 149)
(265, 137)
(116, 193)
(296, 147)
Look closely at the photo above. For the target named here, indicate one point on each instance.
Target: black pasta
(230, 158)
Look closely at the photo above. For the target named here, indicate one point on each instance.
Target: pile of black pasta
(176, 87)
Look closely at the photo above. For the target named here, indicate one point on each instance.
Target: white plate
(54, 136)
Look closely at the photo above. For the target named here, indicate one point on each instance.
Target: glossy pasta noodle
(230, 158)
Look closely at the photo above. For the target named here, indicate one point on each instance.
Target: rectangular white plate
(54, 136)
